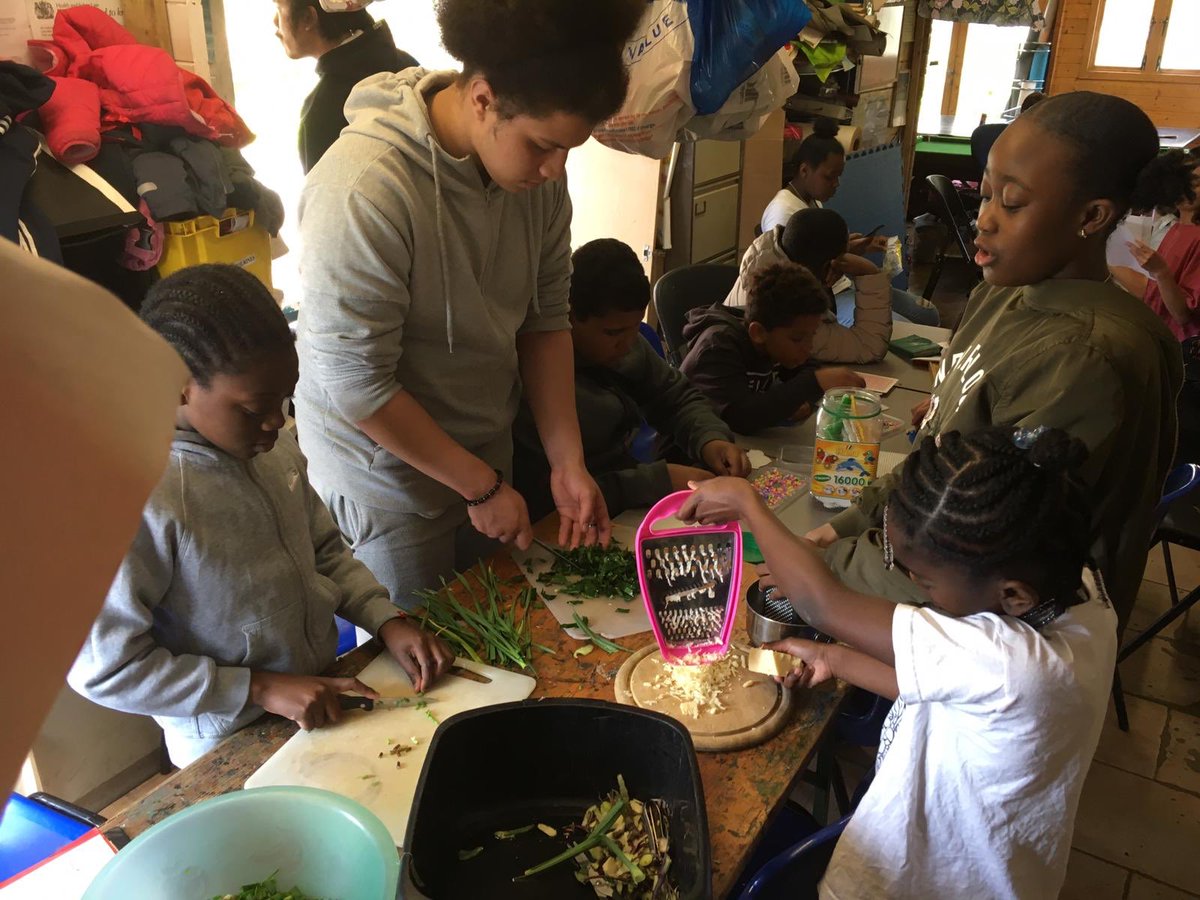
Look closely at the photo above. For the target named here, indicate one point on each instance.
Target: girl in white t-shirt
(1001, 682)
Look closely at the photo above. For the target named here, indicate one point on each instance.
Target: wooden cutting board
(346, 758)
(756, 708)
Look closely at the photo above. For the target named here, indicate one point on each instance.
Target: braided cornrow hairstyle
(219, 318)
(982, 503)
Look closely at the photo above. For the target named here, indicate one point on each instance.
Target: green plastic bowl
(322, 843)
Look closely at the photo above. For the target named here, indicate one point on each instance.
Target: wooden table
(742, 790)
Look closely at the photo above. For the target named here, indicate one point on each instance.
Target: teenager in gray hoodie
(435, 275)
(224, 607)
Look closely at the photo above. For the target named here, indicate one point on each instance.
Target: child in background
(820, 161)
(619, 382)
(224, 606)
(751, 364)
(1047, 340)
(1169, 280)
(1001, 682)
(817, 239)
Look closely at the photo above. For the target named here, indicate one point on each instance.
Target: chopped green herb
(546, 595)
(584, 650)
(623, 609)
(595, 572)
(266, 890)
(464, 855)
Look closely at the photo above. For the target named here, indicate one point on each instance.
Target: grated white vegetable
(699, 687)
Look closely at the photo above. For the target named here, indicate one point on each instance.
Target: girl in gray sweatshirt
(224, 607)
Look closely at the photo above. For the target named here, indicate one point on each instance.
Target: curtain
(985, 12)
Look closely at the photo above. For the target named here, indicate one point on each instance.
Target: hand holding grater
(691, 579)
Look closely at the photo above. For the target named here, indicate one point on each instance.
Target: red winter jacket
(140, 84)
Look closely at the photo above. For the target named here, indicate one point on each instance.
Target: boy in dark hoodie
(619, 383)
(751, 364)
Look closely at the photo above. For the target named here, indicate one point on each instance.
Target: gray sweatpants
(409, 552)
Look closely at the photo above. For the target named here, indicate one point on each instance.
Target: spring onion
(581, 622)
(595, 572)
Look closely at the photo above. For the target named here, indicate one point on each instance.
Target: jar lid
(851, 403)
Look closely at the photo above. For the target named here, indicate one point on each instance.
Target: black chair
(982, 139)
(1178, 523)
(680, 291)
(961, 231)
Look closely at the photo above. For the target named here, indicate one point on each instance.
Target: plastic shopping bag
(658, 102)
(750, 103)
(733, 39)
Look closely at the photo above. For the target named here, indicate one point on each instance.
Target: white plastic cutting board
(345, 758)
(601, 612)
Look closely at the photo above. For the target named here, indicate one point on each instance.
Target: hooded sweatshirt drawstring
(533, 265)
(441, 237)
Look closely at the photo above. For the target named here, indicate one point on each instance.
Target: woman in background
(348, 47)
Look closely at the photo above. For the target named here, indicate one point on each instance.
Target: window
(969, 75)
(1145, 39)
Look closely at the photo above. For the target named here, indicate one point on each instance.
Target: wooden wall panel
(1171, 103)
(147, 20)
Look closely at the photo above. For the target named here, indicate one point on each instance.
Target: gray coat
(237, 567)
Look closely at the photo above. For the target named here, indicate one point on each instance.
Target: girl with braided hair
(1000, 683)
(224, 606)
(1048, 339)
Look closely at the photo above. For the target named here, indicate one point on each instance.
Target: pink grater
(690, 579)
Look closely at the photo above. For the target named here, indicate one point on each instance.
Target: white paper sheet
(601, 612)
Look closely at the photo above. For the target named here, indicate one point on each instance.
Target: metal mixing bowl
(763, 629)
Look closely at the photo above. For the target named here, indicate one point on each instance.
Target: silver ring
(591, 524)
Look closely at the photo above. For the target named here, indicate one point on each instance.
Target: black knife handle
(348, 702)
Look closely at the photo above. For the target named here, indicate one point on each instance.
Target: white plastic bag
(658, 103)
(750, 104)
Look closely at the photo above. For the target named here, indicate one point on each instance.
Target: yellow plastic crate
(233, 239)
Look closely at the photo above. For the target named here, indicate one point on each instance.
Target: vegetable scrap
(482, 626)
(512, 833)
(626, 850)
(266, 890)
(584, 650)
(581, 622)
(595, 572)
(464, 855)
(777, 486)
(547, 830)
(700, 686)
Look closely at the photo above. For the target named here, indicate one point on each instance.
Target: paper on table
(601, 612)
(757, 458)
(879, 384)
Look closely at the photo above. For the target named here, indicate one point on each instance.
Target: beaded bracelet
(479, 501)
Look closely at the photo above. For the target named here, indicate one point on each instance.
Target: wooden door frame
(954, 64)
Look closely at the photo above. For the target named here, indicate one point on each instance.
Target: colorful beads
(777, 486)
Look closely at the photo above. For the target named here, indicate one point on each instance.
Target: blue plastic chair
(35, 828)
(347, 636)
(796, 872)
(1177, 521)
(653, 339)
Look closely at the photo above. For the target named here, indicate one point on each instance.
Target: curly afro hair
(544, 56)
(1166, 183)
(782, 293)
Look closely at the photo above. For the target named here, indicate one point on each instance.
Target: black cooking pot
(545, 761)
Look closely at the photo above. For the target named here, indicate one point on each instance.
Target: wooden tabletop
(742, 789)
